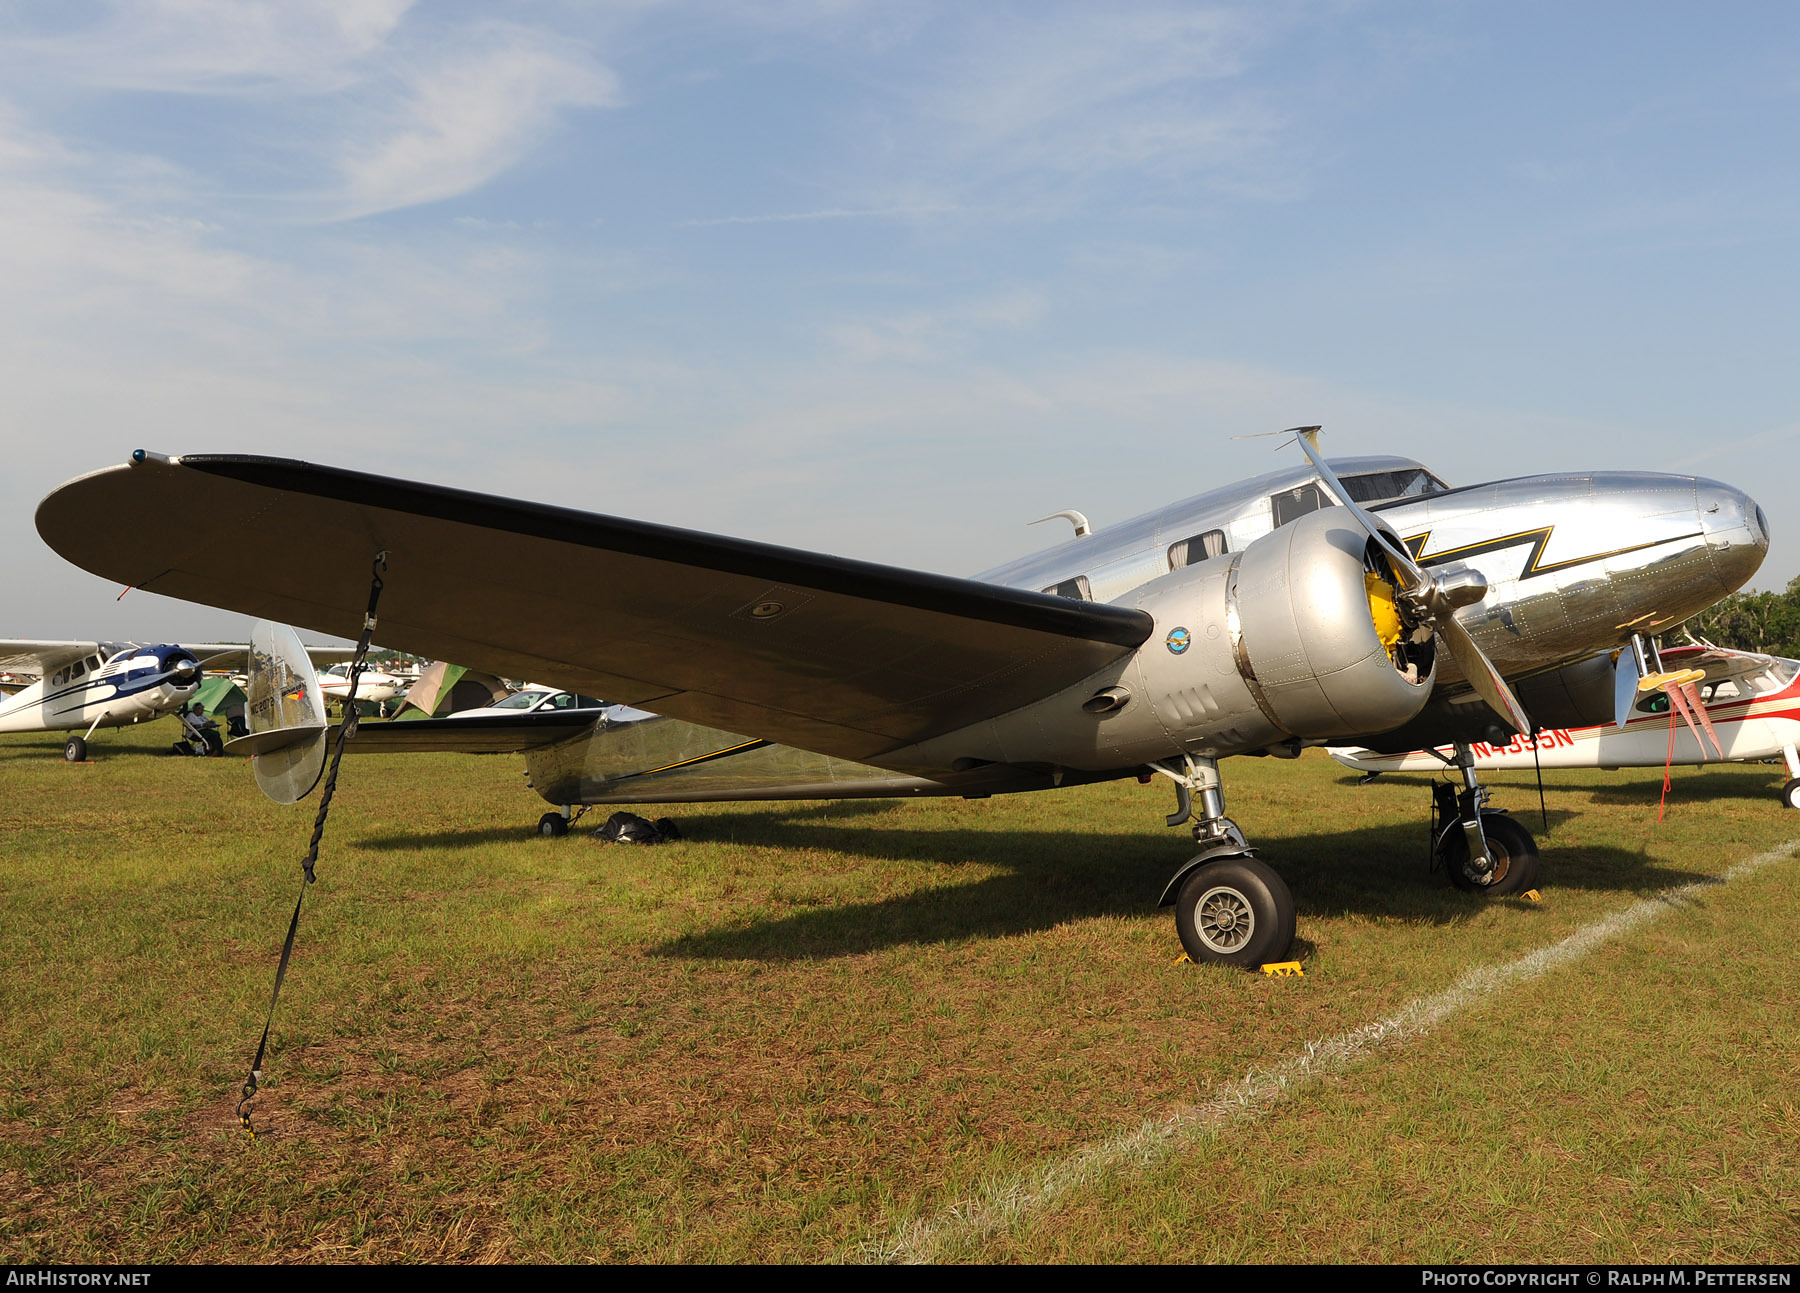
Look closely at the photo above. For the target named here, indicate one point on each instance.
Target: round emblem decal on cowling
(1179, 640)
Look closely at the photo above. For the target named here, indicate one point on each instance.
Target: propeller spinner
(1433, 601)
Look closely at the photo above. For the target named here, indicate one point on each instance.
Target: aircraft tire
(1235, 911)
(75, 750)
(553, 826)
(1514, 852)
(1790, 793)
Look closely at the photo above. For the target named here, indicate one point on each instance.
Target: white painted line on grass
(1007, 1201)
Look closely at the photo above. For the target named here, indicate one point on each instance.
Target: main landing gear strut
(1484, 850)
(1230, 907)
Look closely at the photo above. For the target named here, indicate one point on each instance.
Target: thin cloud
(214, 46)
(830, 213)
(466, 116)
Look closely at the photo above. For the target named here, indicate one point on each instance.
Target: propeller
(1434, 601)
(1628, 669)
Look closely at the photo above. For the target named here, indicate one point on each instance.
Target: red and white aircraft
(1748, 708)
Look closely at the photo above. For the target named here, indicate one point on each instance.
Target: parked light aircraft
(87, 685)
(374, 685)
(1748, 709)
(1250, 620)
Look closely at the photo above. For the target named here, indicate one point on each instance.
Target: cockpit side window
(1076, 588)
(1386, 486)
(77, 669)
(1191, 552)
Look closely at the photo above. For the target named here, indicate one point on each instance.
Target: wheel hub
(1502, 864)
(1224, 920)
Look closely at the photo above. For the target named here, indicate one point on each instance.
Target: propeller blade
(1625, 687)
(1482, 675)
(1410, 572)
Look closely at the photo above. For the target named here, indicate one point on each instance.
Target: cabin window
(1292, 504)
(77, 669)
(1386, 486)
(1076, 588)
(1191, 552)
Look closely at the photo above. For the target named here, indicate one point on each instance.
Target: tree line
(1765, 622)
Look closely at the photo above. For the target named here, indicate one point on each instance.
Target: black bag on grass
(629, 828)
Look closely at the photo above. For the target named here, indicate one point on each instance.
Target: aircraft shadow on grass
(735, 824)
(1052, 878)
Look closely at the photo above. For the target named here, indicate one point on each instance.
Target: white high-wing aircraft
(372, 684)
(1255, 619)
(83, 686)
(1745, 707)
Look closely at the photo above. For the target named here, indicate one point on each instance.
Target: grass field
(835, 1031)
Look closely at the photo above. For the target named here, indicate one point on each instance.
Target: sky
(887, 280)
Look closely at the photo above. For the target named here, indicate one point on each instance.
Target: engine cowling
(1294, 637)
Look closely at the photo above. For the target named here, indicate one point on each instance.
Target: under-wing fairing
(1249, 620)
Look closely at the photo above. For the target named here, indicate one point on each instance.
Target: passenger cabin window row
(1288, 505)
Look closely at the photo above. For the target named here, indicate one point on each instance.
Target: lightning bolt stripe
(1539, 539)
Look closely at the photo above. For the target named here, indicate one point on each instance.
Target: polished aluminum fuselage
(1574, 565)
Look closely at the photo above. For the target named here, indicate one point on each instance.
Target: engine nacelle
(1285, 640)
(1291, 638)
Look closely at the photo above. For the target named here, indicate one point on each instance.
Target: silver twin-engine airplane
(1254, 619)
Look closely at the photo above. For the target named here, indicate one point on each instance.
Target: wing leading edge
(843, 657)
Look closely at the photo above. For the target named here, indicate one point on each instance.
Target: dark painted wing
(843, 657)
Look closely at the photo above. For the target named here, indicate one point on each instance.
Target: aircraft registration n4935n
(1258, 618)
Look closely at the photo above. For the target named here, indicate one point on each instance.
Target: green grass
(809, 1023)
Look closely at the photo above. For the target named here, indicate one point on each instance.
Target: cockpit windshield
(521, 700)
(1386, 486)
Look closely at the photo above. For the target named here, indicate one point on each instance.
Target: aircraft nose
(1736, 531)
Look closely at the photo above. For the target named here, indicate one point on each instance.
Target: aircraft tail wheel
(1790, 793)
(1236, 911)
(76, 750)
(553, 826)
(1515, 858)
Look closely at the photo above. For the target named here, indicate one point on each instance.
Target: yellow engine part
(1383, 611)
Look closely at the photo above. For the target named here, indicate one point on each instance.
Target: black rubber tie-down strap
(346, 730)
